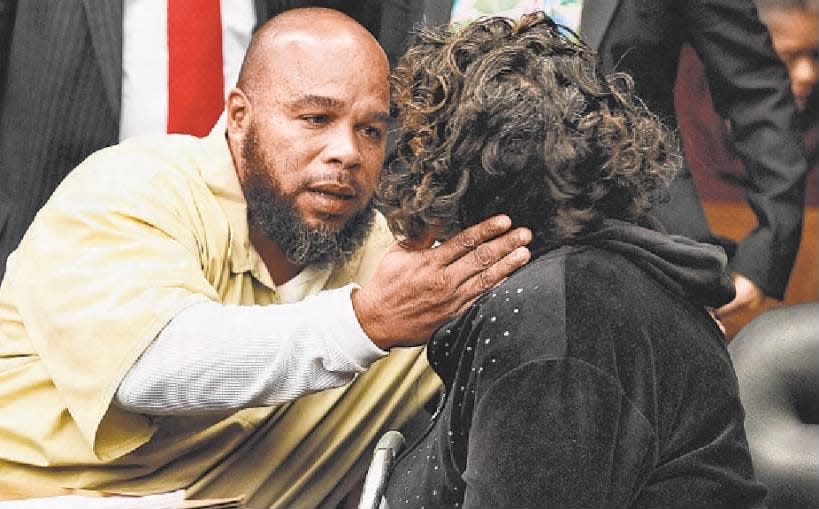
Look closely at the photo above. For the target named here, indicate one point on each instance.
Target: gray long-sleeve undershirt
(213, 357)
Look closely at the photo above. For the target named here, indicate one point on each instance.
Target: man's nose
(343, 147)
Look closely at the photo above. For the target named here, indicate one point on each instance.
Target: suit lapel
(594, 20)
(105, 26)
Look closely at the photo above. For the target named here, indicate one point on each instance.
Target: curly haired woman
(594, 377)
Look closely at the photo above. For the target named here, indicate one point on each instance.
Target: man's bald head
(312, 25)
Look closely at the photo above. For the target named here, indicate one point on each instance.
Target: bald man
(220, 314)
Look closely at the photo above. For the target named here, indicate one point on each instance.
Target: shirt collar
(219, 172)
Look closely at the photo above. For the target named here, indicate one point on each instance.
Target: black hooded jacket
(592, 378)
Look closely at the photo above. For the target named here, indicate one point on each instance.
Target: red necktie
(195, 80)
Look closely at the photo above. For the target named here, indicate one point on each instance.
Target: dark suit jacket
(749, 86)
(60, 101)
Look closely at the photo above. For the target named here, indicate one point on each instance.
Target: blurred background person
(750, 86)
(708, 138)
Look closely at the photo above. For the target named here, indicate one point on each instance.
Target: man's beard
(275, 213)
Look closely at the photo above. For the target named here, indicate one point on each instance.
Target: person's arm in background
(750, 86)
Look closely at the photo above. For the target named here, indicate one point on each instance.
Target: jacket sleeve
(750, 86)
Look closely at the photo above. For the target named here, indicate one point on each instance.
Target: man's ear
(239, 111)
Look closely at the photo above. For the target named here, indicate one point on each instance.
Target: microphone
(386, 450)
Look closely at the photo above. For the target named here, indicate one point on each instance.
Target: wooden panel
(734, 220)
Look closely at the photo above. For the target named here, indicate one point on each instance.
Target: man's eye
(373, 132)
(315, 119)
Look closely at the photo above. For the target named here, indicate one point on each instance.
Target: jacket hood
(694, 270)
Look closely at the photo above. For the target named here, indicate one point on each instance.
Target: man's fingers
(485, 258)
(465, 241)
(492, 275)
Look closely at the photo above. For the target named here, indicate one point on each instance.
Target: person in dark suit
(750, 87)
(61, 89)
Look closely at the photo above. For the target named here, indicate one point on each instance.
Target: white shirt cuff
(350, 338)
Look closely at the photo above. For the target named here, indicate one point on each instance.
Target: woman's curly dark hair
(512, 116)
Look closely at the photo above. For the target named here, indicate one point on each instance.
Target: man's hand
(415, 291)
(749, 297)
